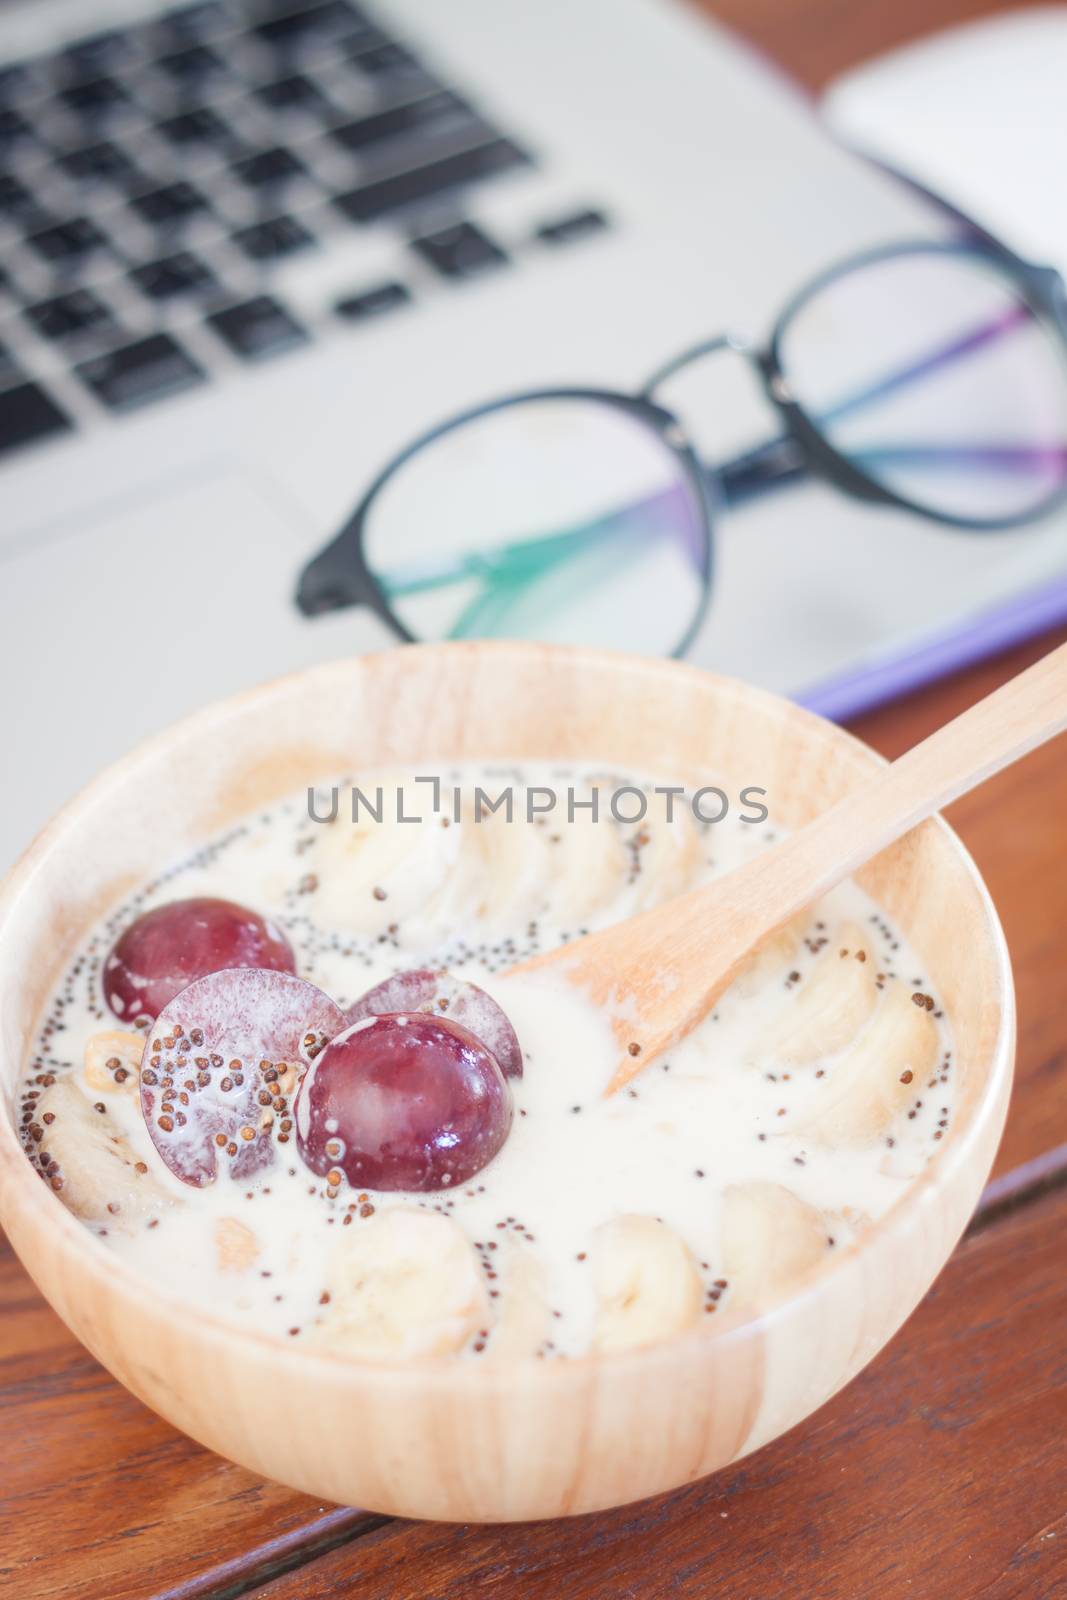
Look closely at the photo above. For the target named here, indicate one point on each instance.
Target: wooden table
(941, 1474)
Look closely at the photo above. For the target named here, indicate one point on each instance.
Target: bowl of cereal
(312, 1171)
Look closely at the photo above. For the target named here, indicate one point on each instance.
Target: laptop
(250, 248)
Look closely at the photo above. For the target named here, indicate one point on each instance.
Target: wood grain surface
(816, 39)
(940, 1475)
(100, 1498)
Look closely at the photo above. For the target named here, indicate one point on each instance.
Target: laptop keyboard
(154, 179)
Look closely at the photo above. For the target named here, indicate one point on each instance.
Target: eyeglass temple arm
(773, 465)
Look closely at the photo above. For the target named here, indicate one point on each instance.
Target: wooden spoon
(657, 974)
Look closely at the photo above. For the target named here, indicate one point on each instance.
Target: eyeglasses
(927, 376)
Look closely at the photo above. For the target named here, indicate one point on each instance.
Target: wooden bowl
(463, 1440)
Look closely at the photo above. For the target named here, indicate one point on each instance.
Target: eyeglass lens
(930, 372)
(564, 519)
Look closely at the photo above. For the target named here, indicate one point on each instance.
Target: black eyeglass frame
(339, 575)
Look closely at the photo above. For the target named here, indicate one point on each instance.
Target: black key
(574, 226)
(356, 44)
(389, 60)
(310, 25)
(200, 125)
(15, 199)
(14, 130)
(192, 65)
(68, 314)
(139, 373)
(9, 370)
(27, 415)
(294, 93)
(268, 167)
(94, 97)
(384, 195)
(88, 58)
(273, 238)
(172, 204)
(373, 302)
(420, 115)
(68, 243)
(174, 275)
(198, 21)
(462, 251)
(104, 160)
(257, 328)
(16, 77)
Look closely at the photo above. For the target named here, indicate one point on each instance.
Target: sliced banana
(771, 957)
(236, 1246)
(113, 1061)
(771, 1239)
(522, 1323)
(666, 857)
(101, 1175)
(589, 866)
(646, 1283)
(511, 860)
(370, 873)
(826, 1011)
(405, 1282)
(880, 1074)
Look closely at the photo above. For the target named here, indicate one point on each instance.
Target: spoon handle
(1000, 729)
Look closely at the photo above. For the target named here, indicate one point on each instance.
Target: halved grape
(406, 1101)
(169, 947)
(443, 995)
(214, 1079)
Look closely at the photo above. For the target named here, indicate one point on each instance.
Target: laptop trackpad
(113, 626)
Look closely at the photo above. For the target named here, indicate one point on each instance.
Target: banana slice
(780, 948)
(236, 1246)
(113, 1061)
(589, 863)
(878, 1076)
(511, 859)
(831, 1005)
(522, 1324)
(403, 1283)
(370, 874)
(102, 1177)
(646, 1282)
(771, 1239)
(666, 857)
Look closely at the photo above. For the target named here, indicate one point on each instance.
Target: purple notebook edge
(961, 645)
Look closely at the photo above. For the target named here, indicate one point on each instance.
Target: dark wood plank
(101, 1498)
(146, 1511)
(817, 39)
(941, 1474)
(1015, 826)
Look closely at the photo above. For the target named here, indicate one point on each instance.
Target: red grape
(169, 947)
(442, 994)
(405, 1101)
(214, 1083)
